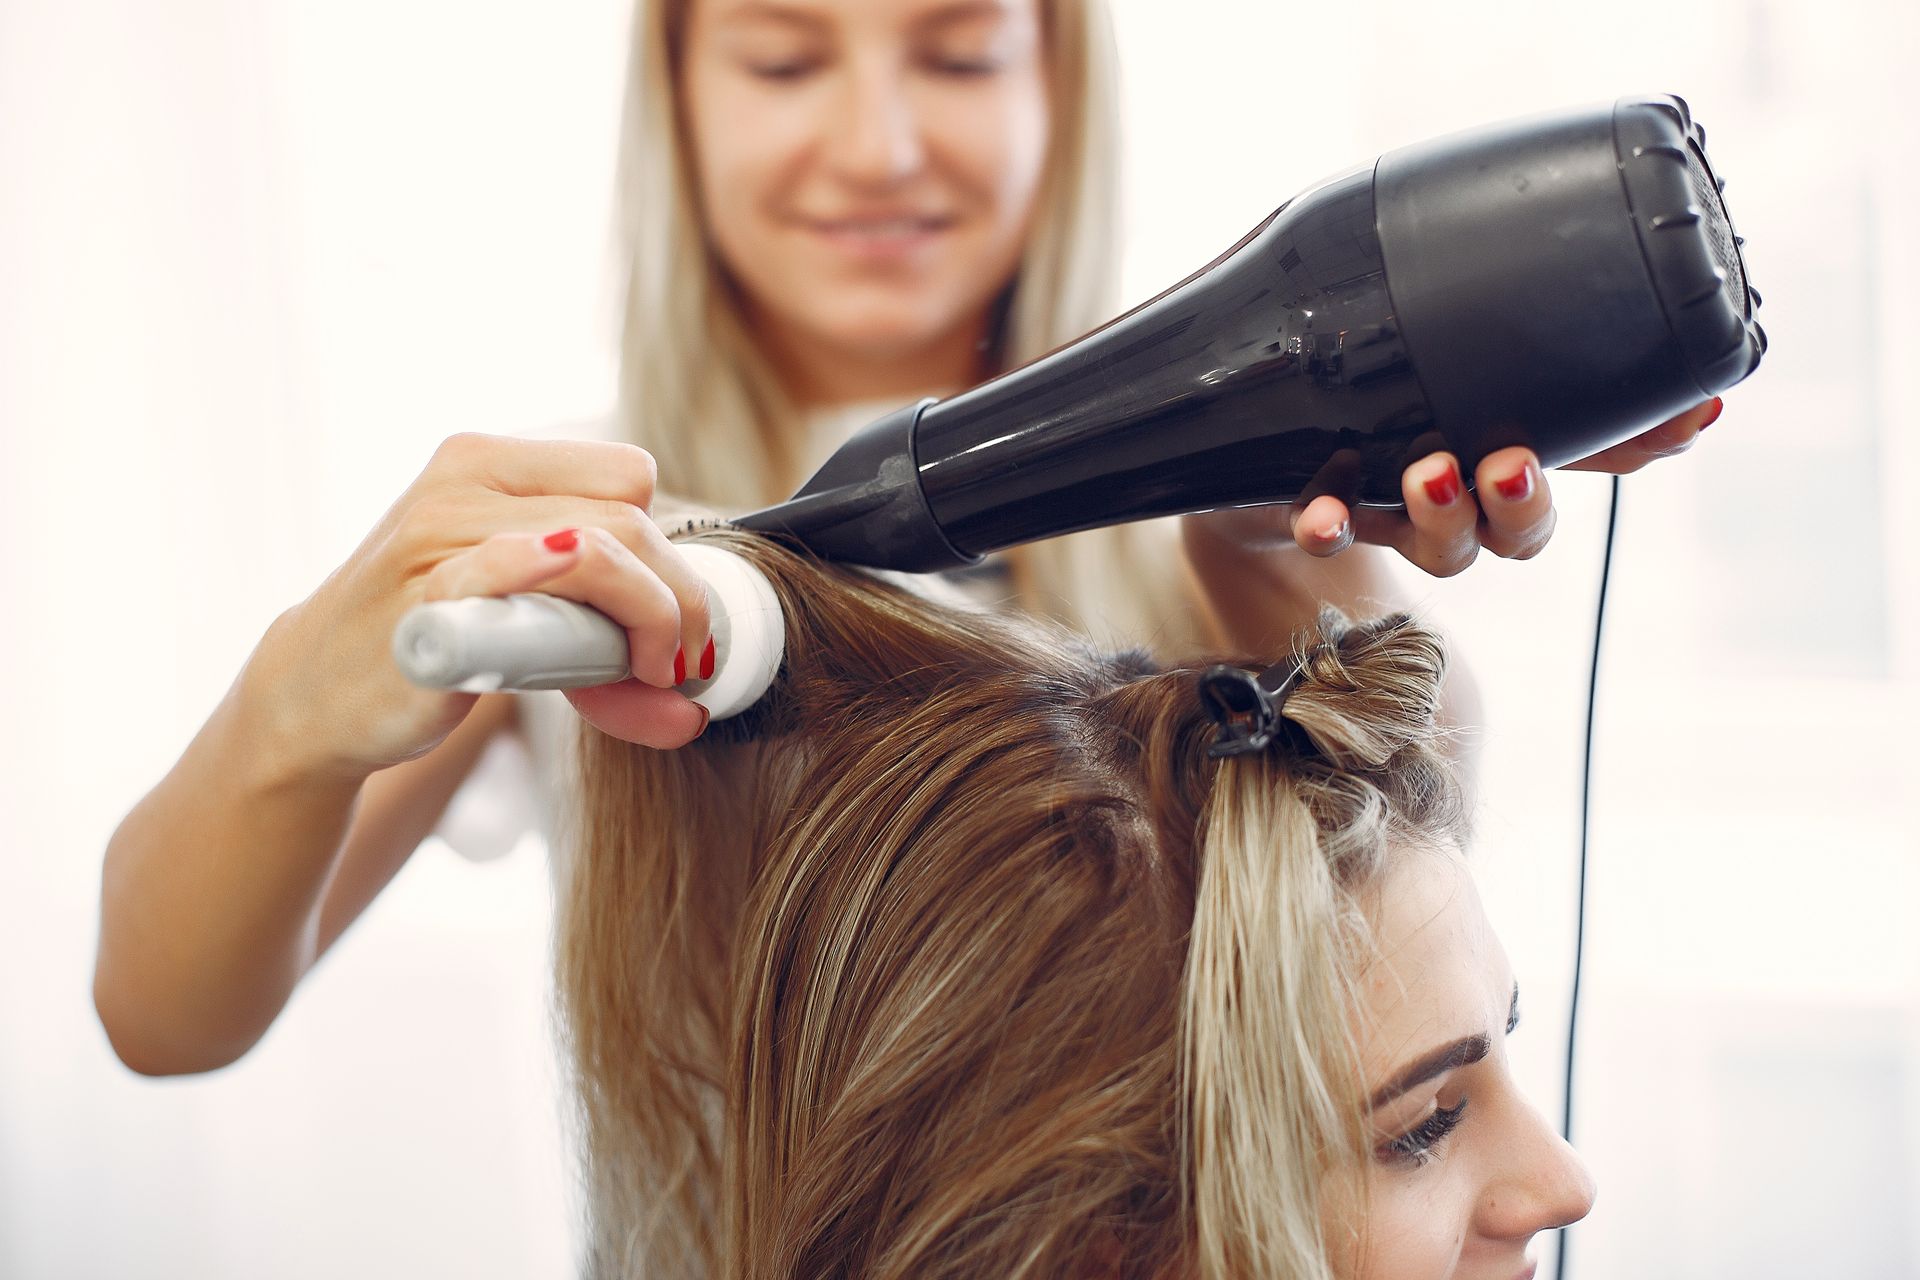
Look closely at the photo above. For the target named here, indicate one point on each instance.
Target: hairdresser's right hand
(490, 515)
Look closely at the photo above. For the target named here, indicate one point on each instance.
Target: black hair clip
(1247, 707)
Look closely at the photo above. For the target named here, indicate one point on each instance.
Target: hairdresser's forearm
(1260, 597)
(209, 893)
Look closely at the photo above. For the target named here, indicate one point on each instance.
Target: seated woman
(958, 956)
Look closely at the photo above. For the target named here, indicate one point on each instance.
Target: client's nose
(1545, 1186)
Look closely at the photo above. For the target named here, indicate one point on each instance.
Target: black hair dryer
(1561, 281)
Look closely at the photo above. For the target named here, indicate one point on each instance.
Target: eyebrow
(794, 15)
(962, 9)
(758, 10)
(1463, 1052)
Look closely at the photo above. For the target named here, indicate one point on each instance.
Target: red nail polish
(679, 666)
(564, 540)
(1718, 405)
(1516, 487)
(706, 660)
(1443, 488)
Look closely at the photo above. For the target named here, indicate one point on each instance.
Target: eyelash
(1415, 1147)
(791, 71)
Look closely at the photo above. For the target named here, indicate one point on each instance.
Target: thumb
(641, 713)
(1323, 526)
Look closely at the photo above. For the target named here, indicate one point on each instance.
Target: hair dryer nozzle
(866, 505)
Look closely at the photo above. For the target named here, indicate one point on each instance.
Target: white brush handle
(481, 644)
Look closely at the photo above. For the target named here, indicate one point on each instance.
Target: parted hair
(956, 956)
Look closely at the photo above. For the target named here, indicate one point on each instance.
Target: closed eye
(1416, 1146)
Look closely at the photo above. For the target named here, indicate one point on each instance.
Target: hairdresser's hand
(1444, 527)
(490, 515)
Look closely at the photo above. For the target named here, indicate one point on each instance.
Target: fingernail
(1718, 405)
(1516, 487)
(706, 660)
(680, 666)
(564, 540)
(1444, 488)
(706, 718)
(1334, 533)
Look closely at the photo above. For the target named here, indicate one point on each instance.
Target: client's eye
(1415, 1147)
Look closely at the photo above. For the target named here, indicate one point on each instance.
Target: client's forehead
(1440, 972)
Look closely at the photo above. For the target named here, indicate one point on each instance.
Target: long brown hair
(956, 956)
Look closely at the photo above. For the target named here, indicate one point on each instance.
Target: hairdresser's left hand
(1444, 527)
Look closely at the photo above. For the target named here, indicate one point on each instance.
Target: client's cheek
(1411, 1229)
(1343, 1223)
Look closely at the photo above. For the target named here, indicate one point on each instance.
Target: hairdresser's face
(1463, 1172)
(867, 168)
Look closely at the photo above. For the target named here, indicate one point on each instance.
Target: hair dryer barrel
(1561, 282)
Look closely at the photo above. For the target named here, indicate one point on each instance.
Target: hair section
(957, 957)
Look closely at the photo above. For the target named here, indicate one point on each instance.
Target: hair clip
(1247, 707)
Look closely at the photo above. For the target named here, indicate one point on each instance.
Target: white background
(256, 259)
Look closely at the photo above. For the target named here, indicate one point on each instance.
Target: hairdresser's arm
(230, 879)
(1261, 591)
(1444, 526)
(276, 827)
(1442, 530)
(1265, 571)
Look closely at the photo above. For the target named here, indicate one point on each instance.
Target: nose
(874, 137)
(1543, 1185)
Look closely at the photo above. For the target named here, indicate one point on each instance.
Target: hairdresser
(829, 208)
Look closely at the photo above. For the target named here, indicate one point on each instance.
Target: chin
(883, 332)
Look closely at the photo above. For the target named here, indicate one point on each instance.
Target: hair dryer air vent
(1693, 255)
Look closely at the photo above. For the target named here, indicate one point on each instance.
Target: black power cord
(1586, 831)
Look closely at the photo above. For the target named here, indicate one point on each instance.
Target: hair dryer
(1561, 281)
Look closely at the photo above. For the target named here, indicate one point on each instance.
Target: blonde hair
(697, 392)
(956, 956)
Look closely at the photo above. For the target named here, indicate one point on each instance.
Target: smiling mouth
(876, 230)
(880, 238)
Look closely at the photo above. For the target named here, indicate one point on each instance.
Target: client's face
(1463, 1171)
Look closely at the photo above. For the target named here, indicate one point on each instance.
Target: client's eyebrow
(1463, 1052)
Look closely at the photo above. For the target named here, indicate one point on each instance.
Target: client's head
(957, 956)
